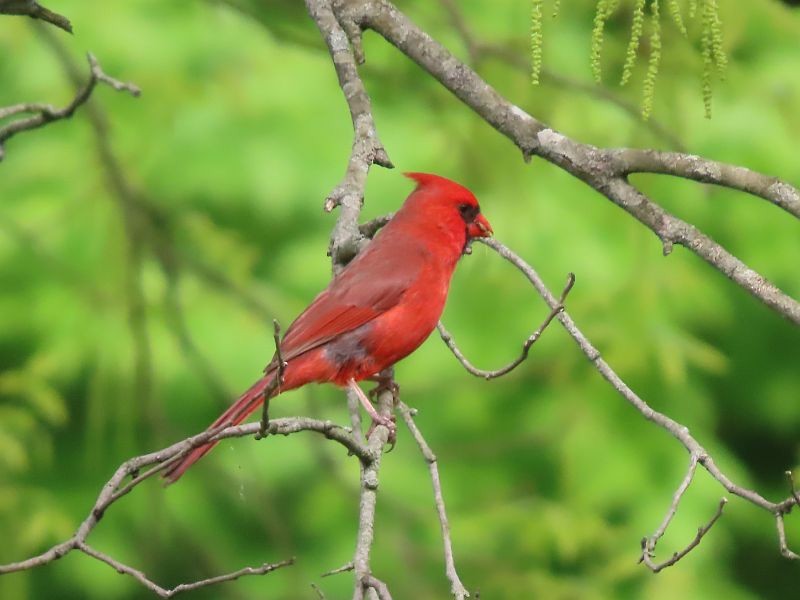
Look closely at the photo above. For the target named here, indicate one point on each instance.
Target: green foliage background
(551, 479)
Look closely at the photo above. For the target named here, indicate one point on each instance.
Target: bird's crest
(429, 180)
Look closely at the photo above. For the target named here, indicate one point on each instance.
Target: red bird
(378, 309)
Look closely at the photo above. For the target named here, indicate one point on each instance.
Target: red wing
(372, 284)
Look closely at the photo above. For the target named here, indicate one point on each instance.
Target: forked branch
(447, 338)
(42, 114)
(649, 543)
(136, 470)
(699, 455)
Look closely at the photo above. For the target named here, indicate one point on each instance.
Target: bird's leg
(377, 419)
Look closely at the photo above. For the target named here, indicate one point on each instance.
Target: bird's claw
(390, 423)
(385, 385)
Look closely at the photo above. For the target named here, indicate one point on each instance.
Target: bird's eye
(468, 212)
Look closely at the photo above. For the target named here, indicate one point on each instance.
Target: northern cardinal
(378, 309)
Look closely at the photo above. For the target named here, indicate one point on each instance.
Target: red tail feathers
(238, 412)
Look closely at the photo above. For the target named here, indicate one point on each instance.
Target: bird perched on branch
(375, 311)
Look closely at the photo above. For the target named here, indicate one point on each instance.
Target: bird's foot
(390, 423)
(377, 419)
(385, 384)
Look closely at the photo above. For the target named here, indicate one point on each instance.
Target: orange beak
(479, 227)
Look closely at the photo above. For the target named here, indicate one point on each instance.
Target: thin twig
(35, 10)
(701, 531)
(46, 113)
(447, 338)
(320, 593)
(343, 569)
(370, 228)
(183, 587)
(457, 588)
(649, 544)
(783, 544)
(274, 387)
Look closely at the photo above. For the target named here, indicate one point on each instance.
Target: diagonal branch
(35, 10)
(457, 588)
(600, 168)
(42, 114)
(675, 429)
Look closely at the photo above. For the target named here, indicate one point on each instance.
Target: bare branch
(183, 587)
(320, 593)
(786, 552)
(526, 346)
(600, 168)
(701, 531)
(457, 588)
(35, 10)
(672, 230)
(46, 113)
(370, 228)
(343, 569)
(649, 544)
(379, 586)
(276, 383)
(367, 148)
(697, 168)
(675, 429)
(130, 475)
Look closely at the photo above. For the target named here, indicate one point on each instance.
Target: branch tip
(42, 114)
